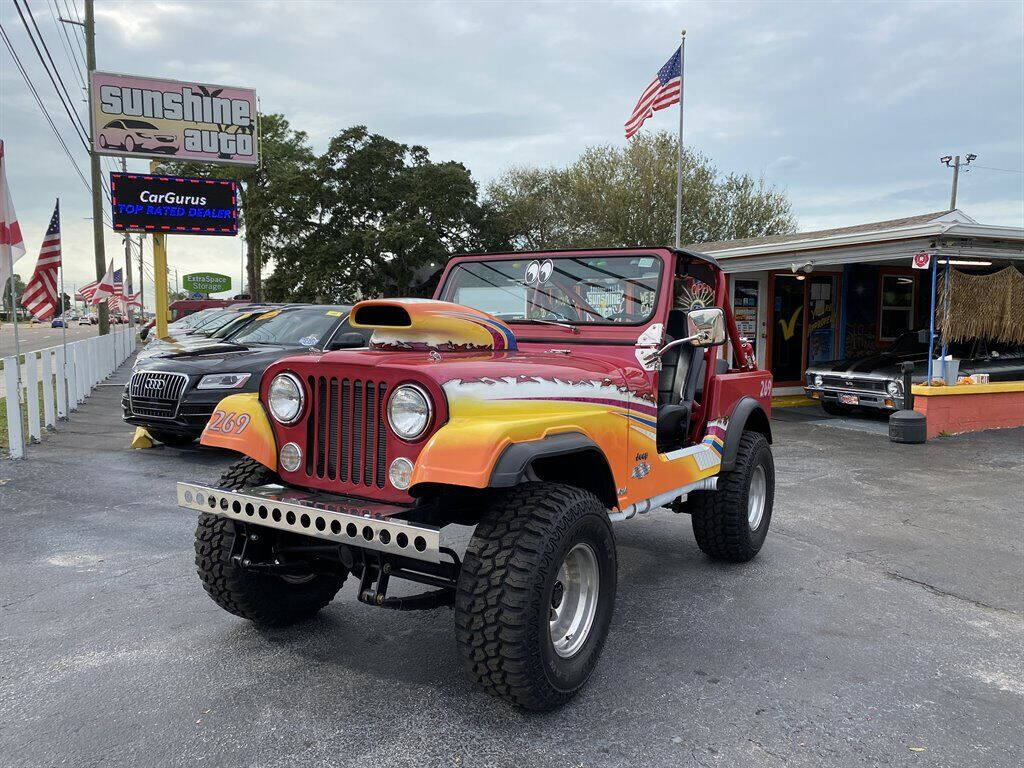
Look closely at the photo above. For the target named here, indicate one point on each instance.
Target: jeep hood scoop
(411, 324)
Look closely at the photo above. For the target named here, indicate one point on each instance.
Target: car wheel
(731, 523)
(836, 409)
(129, 144)
(262, 598)
(536, 594)
(173, 439)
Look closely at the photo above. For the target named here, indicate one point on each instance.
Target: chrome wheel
(756, 495)
(574, 600)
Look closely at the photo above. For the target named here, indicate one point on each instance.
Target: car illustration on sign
(138, 136)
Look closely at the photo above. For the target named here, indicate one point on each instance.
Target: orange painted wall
(954, 414)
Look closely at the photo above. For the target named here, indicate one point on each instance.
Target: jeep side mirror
(350, 340)
(706, 327)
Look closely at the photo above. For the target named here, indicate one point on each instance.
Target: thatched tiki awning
(983, 307)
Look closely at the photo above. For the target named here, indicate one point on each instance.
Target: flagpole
(679, 159)
(64, 323)
(17, 351)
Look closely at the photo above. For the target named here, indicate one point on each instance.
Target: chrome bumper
(366, 525)
(867, 398)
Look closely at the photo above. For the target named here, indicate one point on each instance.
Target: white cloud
(849, 109)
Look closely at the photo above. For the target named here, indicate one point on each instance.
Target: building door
(786, 337)
(822, 317)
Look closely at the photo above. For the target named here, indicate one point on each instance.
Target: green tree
(269, 195)
(626, 196)
(382, 217)
(19, 287)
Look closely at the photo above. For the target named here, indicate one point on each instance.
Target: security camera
(807, 267)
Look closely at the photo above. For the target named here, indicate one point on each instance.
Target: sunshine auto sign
(149, 117)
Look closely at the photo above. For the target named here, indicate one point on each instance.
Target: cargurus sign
(149, 117)
(146, 203)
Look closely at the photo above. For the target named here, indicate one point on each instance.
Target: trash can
(908, 427)
(952, 370)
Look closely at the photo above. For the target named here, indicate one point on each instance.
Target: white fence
(46, 395)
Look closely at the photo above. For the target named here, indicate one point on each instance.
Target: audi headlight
(285, 398)
(223, 380)
(818, 381)
(894, 388)
(409, 411)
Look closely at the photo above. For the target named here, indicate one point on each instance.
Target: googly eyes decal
(532, 272)
(539, 272)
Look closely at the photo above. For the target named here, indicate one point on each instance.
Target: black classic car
(876, 381)
(173, 394)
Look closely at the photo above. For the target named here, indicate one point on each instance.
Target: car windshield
(215, 320)
(191, 321)
(139, 124)
(910, 343)
(592, 290)
(294, 326)
(234, 325)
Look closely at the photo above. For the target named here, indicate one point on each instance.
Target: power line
(69, 107)
(65, 41)
(80, 25)
(42, 107)
(1004, 170)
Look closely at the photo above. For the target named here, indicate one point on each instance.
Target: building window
(896, 306)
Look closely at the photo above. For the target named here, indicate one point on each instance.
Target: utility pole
(128, 263)
(954, 163)
(142, 295)
(94, 168)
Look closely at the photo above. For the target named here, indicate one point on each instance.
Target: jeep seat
(675, 388)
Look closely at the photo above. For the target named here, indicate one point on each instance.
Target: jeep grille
(346, 436)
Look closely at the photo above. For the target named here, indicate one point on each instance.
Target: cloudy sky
(847, 106)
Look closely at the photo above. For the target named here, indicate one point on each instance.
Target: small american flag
(41, 296)
(663, 91)
(116, 301)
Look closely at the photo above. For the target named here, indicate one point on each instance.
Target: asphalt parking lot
(882, 625)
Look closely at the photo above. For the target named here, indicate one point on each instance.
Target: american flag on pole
(116, 301)
(86, 291)
(41, 295)
(664, 91)
(103, 288)
(12, 245)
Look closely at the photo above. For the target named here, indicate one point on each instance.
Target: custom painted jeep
(538, 398)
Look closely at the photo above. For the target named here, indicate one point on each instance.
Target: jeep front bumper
(352, 522)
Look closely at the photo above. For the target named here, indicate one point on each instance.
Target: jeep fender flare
(748, 415)
(583, 464)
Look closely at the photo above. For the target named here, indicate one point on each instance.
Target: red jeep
(538, 398)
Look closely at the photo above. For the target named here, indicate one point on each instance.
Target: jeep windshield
(305, 327)
(582, 290)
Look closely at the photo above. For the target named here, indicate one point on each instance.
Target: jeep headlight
(894, 388)
(818, 381)
(409, 411)
(223, 380)
(285, 398)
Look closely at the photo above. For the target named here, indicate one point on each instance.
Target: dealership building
(813, 296)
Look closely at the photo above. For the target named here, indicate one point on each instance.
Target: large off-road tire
(536, 594)
(836, 409)
(262, 598)
(173, 439)
(731, 523)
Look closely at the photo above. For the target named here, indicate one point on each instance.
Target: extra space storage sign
(144, 203)
(150, 117)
